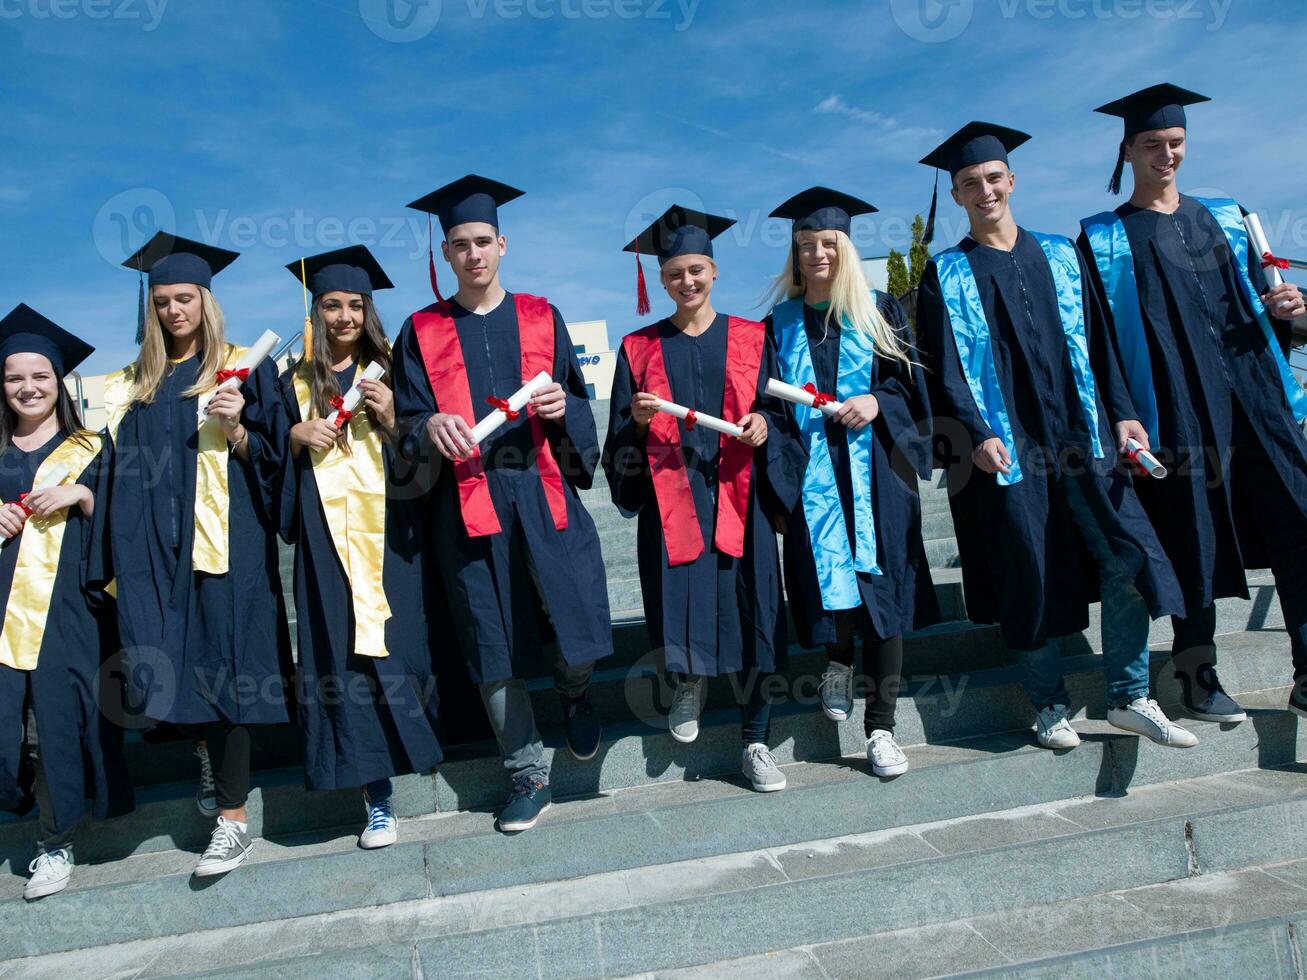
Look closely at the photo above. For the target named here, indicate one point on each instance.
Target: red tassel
(431, 261)
(642, 306)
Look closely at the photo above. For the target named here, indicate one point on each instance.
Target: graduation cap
(1156, 107)
(352, 269)
(24, 331)
(821, 209)
(470, 198)
(976, 142)
(169, 260)
(679, 231)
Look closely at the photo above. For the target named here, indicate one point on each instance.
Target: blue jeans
(1125, 623)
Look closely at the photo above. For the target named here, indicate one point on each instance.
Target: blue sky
(280, 129)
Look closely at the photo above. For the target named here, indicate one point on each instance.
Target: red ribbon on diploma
(343, 415)
(22, 506)
(819, 398)
(1269, 260)
(1133, 456)
(691, 420)
(226, 374)
(502, 405)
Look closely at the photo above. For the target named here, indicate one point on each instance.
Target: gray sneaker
(206, 797)
(683, 719)
(760, 769)
(837, 691)
(227, 850)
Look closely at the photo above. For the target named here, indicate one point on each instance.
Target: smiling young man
(1045, 518)
(1203, 343)
(511, 534)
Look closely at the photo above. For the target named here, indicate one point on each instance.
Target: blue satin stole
(975, 346)
(837, 563)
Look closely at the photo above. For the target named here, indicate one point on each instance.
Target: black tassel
(929, 234)
(140, 307)
(794, 265)
(1114, 185)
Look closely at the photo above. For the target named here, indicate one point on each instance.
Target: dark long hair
(373, 349)
(65, 412)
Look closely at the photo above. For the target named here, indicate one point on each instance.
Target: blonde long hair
(852, 302)
(152, 361)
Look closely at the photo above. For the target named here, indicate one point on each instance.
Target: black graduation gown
(201, 647)
(490, 586)
(1024, 564)
(363, 718)
(903, 597)
(1208, 354)
(80, 745)
(717, 614)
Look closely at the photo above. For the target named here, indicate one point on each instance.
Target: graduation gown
(1024, 564)
(363, 718)
(717, 614)
(202, 647)
(902, 598)
(496, 584)
(1209, 359)
(79, 744)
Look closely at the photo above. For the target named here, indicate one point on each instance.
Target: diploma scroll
(1261, 250)
(350, 400)
(693, 418)
(510, 409)
(54, 478)
(1145, 460)
(807, 395)
(236, 376)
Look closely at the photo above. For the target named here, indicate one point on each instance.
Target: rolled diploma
(707, 421)
(52, 479)
(252, 359)
(516, 401)
(373, 372)
(1146, 460)
(793, 393)
(1257, 238)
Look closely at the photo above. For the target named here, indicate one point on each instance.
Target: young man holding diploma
(1203, 341)
(1045, 516)
(507, 516)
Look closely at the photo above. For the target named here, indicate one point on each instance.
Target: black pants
(49, 840)
(882, 662)
(753, 693)
(229, 752)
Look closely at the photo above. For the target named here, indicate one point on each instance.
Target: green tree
(896, 274)
(918, 254)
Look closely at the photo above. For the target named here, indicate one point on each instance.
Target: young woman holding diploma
(192, 525)
(854, 561)
(364, 684)
(709, 568)
(53, 483)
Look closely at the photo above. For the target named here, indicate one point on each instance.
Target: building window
(590, 391)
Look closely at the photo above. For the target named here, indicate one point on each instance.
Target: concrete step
(655, 910)
(1244, 923)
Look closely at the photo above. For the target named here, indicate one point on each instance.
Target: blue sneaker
(529, 799)
(581, 726)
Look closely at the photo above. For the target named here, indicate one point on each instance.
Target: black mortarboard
(679, 231)
(469, 198)
(822, 209)
(169, 260)
(976, 142)
(1155, 107)
(351, 270)
(25, 331)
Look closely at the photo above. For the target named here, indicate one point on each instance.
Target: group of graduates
(1038, 369)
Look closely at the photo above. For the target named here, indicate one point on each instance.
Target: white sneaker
(837, 691)
(382, 828)
(206, 797)
(1053, 729)
(1145, 717)
(50, 873)
(683, 719)
(227, 850)
(887, 759)
(760, 769)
